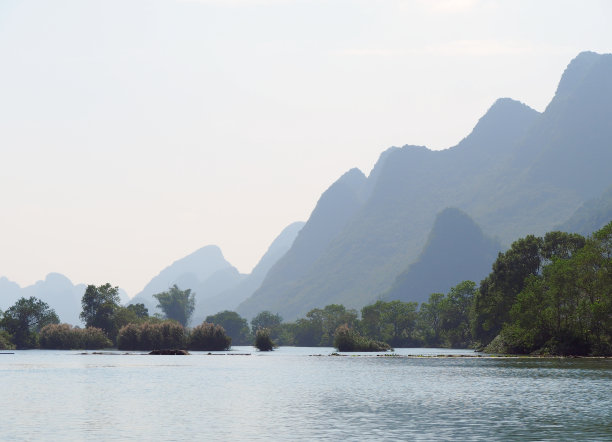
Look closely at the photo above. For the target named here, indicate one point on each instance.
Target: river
(290, 394)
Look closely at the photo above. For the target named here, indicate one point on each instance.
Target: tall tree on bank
(25, 319)
(176, 304)
(236, 327)
(99, 307)
(510, 274)
(567, 309)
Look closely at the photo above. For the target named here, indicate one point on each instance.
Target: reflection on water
(287, 394)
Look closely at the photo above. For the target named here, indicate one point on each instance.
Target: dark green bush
(151, 336)
(66, 337)
(263, 342)
(6, 342)
(209, 337)
(129, 337)
(347, 339)
(59, 337)
(93, 338)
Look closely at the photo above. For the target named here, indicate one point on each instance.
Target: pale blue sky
(134, 132)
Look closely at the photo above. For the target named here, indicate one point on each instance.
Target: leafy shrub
(263, 342)
(6, 343)
(59, 337)
(66, 337)
(151, 336)
(347, 339)
(209, 337)
(129, 337)
(93, 338)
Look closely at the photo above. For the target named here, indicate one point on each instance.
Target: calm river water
(290, 395)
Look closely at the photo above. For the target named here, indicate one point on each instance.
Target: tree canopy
(236, 327)
(99, 307)
(176, 304)
(24, 320)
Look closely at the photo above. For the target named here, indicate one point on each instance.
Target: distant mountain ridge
(590, 216)
(216, 283)
(230, 298)
(192, 271)
(56, 290)
(456, 250)
(518, 172)
(335, 207)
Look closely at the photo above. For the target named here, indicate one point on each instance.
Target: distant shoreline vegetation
(549, 295)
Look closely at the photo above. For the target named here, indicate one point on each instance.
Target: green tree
(24, 320)
(132, 314)
(455, 317)
(498, 291)
(400, 318)
(371, 323)
(392, 322)
(430, 320)
(99, 307)
(307, 332)
(329, 319)
(266, 319)
(568, 308)
(235, 326)
(177, 304)
(139, 310)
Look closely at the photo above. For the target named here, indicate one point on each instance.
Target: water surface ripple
(290, 395)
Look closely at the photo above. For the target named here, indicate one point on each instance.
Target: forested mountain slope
(591, 216)
(230, 298)
(518, 172)
(456, 250)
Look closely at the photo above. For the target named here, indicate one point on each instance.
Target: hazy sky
(135, 132)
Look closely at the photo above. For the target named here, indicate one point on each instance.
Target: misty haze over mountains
(518, 172)
(56, 290)
(422, 221)
(216, 283)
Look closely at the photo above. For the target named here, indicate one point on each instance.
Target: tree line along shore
(549, 295)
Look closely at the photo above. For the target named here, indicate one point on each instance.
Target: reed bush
(67, 337)
(263, 342)
(347, 339)
(151, 336)
(6, 342)
(209, 337)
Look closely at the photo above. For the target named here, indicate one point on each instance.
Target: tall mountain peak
(578, 70)
(586, 76)
(456, 250)
(506, 119)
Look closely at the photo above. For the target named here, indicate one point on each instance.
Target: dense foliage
(566, 308)
(24, 319)
(67, 337)
(99, 307)
(544, 295)
(235, 326)
(263, 341)
(177, 304)
(347, 339)
(209, 337)
(152, 335)
(6, 341)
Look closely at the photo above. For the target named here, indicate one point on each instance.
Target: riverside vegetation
(544, 295)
